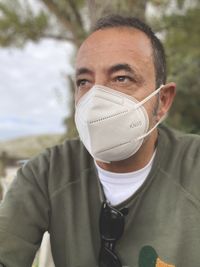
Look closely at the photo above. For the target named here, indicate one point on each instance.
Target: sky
(33, 89)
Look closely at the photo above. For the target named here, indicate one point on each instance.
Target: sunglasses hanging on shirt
(111, 226)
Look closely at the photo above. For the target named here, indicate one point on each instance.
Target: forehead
(113, 45)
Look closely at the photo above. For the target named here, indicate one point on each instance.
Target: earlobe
(167, 95)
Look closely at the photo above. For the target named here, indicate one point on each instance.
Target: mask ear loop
(144, 135)
(144, 101)
(149, 97)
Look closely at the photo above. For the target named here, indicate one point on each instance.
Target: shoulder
(69, 152)
(179, 150)
(59, 165)
(180, 159)
(72, 153)
(179, 142)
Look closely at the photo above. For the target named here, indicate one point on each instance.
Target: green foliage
(68, 20)
(183, 51)
(18, 23)
(1, 190)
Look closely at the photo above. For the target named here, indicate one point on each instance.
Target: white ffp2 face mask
(111, 124)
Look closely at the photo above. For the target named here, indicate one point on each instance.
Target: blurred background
(38, 43)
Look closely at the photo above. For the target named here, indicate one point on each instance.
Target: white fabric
(120, 186)
(45, 256)
(112, 125)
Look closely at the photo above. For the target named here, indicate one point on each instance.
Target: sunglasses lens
(111, 224)
(108, 258)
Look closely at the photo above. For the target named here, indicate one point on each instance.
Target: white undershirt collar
(120, 186)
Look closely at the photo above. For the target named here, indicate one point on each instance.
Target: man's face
(119, 58)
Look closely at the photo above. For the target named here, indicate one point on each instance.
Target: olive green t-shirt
(59, 192)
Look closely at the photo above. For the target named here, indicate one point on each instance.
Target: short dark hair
(114, 21)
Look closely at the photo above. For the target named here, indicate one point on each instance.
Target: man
(133, 200)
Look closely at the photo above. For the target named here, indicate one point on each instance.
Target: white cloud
(31, 80)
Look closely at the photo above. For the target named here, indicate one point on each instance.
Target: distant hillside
(29, 146)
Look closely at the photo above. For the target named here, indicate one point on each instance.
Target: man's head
(122, 48)
(117, 21)
(124, 54)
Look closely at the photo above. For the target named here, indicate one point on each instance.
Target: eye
(81, 82)
(123, 79)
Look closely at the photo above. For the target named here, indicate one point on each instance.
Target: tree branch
(76, 12)
(91, 4)
(58, 37)
(59, 14)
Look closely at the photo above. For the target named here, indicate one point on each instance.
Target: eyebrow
(83, 71)
(118, 67)
(127, 68)
(121, 66)
(112, 69)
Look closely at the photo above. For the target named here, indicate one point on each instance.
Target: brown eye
(81, 82)
(123, 79)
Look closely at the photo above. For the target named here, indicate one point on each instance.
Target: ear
(166, 98)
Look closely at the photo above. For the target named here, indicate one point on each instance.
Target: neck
(135, 162)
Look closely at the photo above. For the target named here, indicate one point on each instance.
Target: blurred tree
(3, 160)
(183, 50)
(68, 20)
(179, 25)
(58, 19)
(71, 20)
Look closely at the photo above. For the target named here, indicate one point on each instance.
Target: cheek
(78, 95)
(152, 108)
(156, 107)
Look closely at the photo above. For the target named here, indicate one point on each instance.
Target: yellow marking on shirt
(160, 263)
